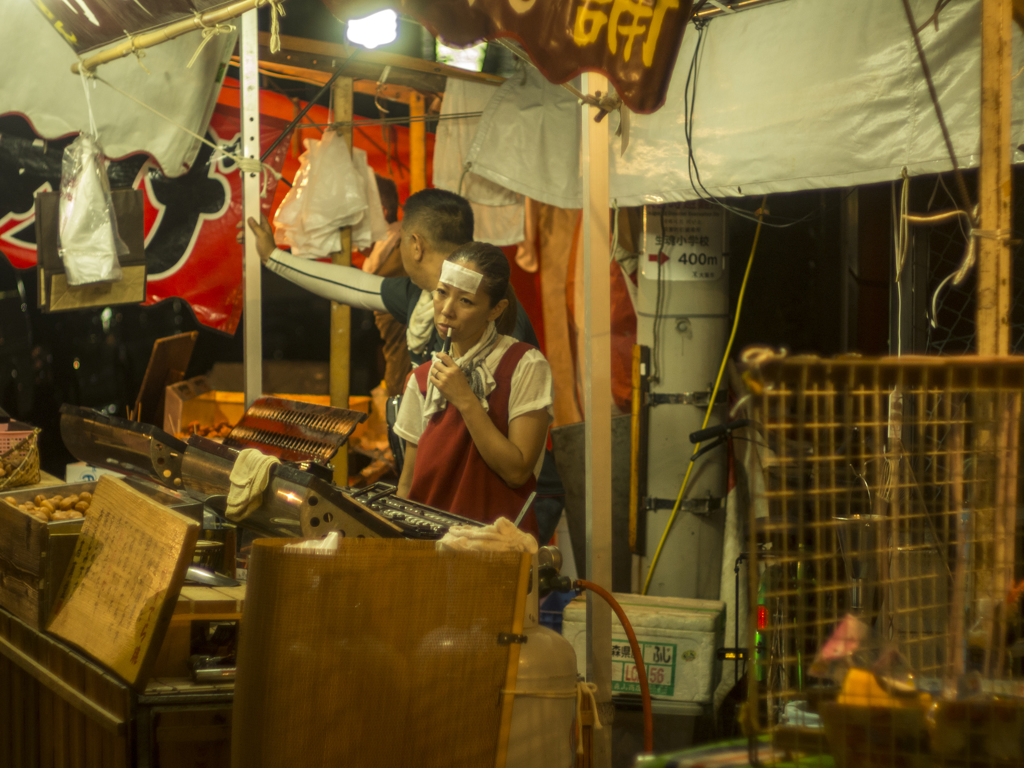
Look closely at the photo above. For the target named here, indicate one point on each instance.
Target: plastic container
(551, 609)
(679, 638)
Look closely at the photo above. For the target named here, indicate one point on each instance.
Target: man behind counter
(436, 222)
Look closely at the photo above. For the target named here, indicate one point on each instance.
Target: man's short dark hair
(443, 217)
(388, 198)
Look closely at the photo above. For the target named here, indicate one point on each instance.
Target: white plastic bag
(88, 241)
(327, 194)
(372, 226)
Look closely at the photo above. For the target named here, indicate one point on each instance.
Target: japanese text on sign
(683, 242)
(622, 20)
(659, 661)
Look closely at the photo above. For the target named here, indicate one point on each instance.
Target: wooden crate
(195, 604)
(60, 710)
(189, 738)
(34, 555)
(56, 707)
(123, 581)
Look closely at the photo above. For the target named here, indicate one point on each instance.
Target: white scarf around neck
(421, 324)
(479, 364)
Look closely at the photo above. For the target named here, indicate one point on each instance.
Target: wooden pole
(169, 32)
(417, 145)
(341, 314)
(994, 298)
(597, 413)
(994, 180)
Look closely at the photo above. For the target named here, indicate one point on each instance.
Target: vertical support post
(417, 144)
(341, 314)
(994, 179)
(597, 412)
(252, 290)
(638, 449)
(994, 297)
(639, 437)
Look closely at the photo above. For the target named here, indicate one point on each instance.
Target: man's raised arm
(345, 285)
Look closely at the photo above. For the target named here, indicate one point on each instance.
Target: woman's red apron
(450, 473)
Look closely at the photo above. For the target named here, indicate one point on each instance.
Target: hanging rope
(245, 164)
(208, 34)
(139, 52)
(276, 11)
(88, 104)
(380, 86)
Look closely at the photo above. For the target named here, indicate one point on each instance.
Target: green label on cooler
(659, 660)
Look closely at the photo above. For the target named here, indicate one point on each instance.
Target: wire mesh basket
(886, 551)
(19, 459)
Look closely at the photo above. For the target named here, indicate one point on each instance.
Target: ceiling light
(377, 29)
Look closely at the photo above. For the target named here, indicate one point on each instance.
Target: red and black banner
(190, 221)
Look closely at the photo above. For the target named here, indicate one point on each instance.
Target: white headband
(459, 277)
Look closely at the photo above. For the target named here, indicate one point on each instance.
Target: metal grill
(884, 549)
(294, 431)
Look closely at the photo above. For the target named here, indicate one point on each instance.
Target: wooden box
(195, 400)
(60, 710)
(195, 604)
(55, 294)
(34, 555)
(57, 708)
(123, 580)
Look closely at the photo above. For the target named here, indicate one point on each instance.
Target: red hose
(638, 657)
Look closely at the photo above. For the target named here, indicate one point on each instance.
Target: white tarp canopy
(498, 212)
(794, 95)
(38, 83)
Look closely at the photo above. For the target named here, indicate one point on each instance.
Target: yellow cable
(714, 394)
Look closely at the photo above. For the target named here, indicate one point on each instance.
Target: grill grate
(294, 431)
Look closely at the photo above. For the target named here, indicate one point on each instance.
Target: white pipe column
(597, 406)
(693, 324)
(252, 315)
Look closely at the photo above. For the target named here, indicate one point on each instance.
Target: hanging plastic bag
(88, 240)
(328, 196)
(372, 226)
(289, 212)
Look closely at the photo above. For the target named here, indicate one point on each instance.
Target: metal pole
(597, 411)
(252, 315)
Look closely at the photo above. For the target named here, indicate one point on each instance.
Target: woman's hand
(452, 382)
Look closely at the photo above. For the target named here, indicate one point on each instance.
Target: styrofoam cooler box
(679, 638)
(80, 472)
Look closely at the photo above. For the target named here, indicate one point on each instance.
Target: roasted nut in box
(34, 554)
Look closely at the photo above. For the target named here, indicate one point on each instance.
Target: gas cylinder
(543, 730)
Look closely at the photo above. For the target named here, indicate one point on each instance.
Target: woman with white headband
(475, 422)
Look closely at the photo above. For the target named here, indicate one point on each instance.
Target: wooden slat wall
(39, 727)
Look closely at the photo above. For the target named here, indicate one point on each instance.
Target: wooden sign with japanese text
(634, 42)
(119, 592)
